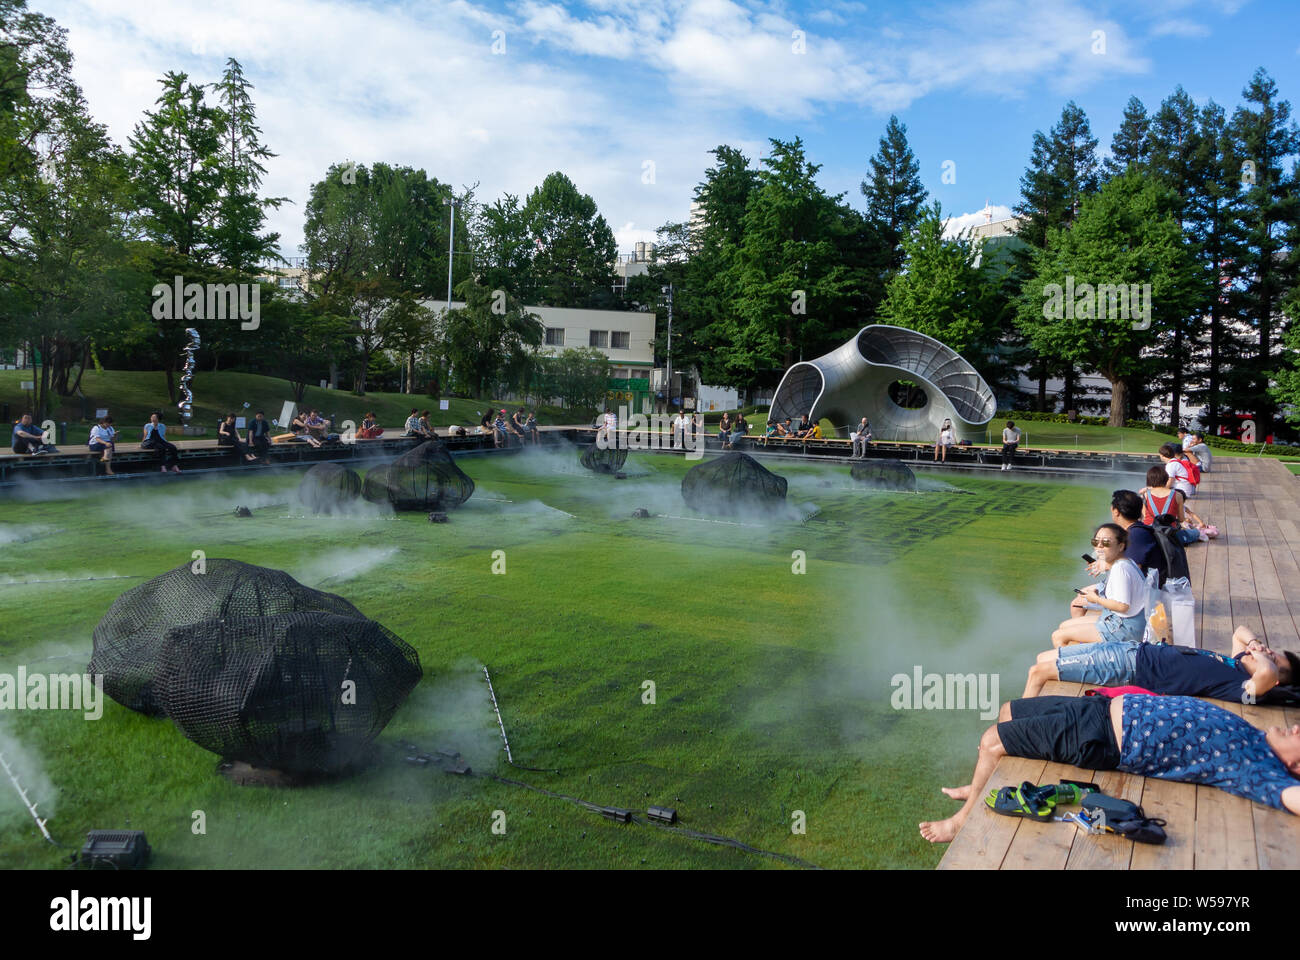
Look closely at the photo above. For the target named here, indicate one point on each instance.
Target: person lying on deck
(1248, 675)
(1171, 738)
(1119, 603)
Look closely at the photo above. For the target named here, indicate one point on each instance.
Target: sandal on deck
(1025, 800)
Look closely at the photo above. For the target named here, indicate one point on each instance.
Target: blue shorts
(1118, 629)
(1105, 664)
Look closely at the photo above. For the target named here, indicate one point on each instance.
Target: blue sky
(627, 96)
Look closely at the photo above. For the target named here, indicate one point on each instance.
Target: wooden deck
(1250, 575)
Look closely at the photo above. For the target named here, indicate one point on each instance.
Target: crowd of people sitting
(1145, 719)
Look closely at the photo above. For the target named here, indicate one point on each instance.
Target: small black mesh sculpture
(885, 475)
(733, 483)
(300, 692)
(329, 488)
(129, 639)
(608, 460)
(424, 479)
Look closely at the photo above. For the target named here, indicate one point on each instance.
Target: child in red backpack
(1180, 470)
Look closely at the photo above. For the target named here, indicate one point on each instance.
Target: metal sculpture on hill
(186, 405)
(329, 488)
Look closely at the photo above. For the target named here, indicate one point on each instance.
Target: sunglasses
(1102, 542)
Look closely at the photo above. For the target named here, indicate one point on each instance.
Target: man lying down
(1251, 674)
(1173, 738)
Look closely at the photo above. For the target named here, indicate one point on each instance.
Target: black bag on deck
(1171, 547)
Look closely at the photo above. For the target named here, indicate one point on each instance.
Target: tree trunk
(1212, 404)
(171, 384)
(1118, 401)
(1041, 406)
(1067, 388)
(1176, 404)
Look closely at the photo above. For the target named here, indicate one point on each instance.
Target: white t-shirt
(947, 437)
(1178, 477)
(102, 434)
(1187, 441)
(611, 421)
(1010, 434)
(1126, 584)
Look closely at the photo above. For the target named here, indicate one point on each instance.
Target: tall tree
(1267, 138)
(574, 245)
(787, 278)
(1079, 302)
(1063, 170)
(175, 168)
(1130, 144)
(238, 242)
(491, 332)
(941, 292)
(893, 189)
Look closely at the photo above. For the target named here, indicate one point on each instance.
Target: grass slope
(130, 396)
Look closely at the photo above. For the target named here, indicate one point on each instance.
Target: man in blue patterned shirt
(1173, 738)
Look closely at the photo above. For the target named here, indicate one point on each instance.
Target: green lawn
(130, 396)
(773, 689)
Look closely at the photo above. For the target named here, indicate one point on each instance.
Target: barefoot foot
(957, 793)
(940, 831)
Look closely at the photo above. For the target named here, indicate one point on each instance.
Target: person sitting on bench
(103, 440)
(317, 425)
(738, 430)
(259, 435)
(27, 438)
(513, 428)
(369, 428)
(1171, 738)
(1120, 604)
(155, 438)
(804, 429)
(861, 439)
(530, 428)
(1248, 675)
(724, 431)
(413, 427)
(228, 436)
(299, 429)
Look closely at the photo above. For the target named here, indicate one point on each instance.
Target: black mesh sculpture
(300, 692)
(129, 638)
(733, 483)
(424, 479)
(329, 487)
(608, 460)
(885, 475)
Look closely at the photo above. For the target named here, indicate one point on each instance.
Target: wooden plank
(1174, 803)
(1044, 846)
(983, 840)
(1107, 852)
(1214, 600)
(1277, 832)
(1242, 602)
(1225, 826)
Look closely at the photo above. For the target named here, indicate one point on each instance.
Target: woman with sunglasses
(1122, 600)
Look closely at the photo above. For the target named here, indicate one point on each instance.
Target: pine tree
(1266, 137)
(237, 241)
(894, 190)
(1130, 145)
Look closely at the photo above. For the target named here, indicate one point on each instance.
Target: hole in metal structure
(908, 394)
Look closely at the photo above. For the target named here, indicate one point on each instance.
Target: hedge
(1032, 415)
(1273, 449)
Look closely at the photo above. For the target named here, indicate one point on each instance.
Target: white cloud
(1179, 28)
(593, 90)
(954, 225)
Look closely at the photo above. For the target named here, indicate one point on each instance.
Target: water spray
(23, 583)
(31, 807)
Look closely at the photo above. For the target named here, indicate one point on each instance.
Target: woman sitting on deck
(1120, 603)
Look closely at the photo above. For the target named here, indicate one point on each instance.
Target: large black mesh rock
(300, 692)
(129, 638)
(607, 460)
(425, 478)
(732, 483)
(885, 475)
(329, 488)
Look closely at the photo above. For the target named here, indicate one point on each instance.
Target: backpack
(1193, 471)
(1174, 552)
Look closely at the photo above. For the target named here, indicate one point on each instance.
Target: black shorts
(1073, 730)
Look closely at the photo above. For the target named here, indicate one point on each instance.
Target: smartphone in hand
(1088, 559)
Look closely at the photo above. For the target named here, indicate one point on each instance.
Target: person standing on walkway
(1010, 440)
